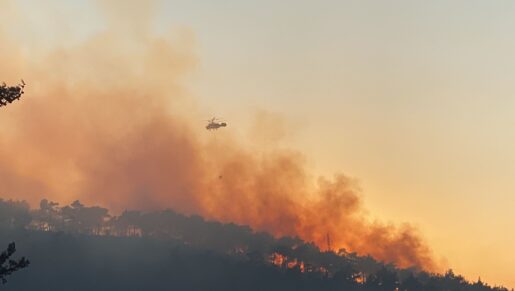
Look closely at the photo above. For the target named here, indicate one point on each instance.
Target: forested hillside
(76, 247)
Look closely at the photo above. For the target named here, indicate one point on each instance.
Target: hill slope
(84, 248)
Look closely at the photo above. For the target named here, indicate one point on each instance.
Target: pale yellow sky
(413, 98)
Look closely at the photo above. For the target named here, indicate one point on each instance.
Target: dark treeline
(76, 247)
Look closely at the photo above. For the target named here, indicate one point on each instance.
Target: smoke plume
(108, 122)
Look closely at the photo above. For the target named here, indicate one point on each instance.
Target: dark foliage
(10, 93)
(12, 212)
(8, 265)
(76, 247)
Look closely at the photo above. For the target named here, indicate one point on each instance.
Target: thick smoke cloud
(107, 122)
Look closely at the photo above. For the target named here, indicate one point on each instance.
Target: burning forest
(110, 122)
(106, 127)
(188, 247)
(109, 126)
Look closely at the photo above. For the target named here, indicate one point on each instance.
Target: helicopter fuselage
(215, 125)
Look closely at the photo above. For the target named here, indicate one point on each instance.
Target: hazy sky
(415, 99)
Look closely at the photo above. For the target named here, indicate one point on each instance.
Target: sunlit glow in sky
(412, 98)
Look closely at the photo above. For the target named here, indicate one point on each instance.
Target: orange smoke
(108, 123)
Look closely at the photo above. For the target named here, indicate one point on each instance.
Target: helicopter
(214, 124)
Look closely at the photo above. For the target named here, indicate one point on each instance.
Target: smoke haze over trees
(76, 247)
(112, 125)
(124, 133)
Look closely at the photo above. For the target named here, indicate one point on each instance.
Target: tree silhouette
(411, 284)
(171, 251)
(14, 214)
(384, 280)
(10, 93)
(9, 266)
